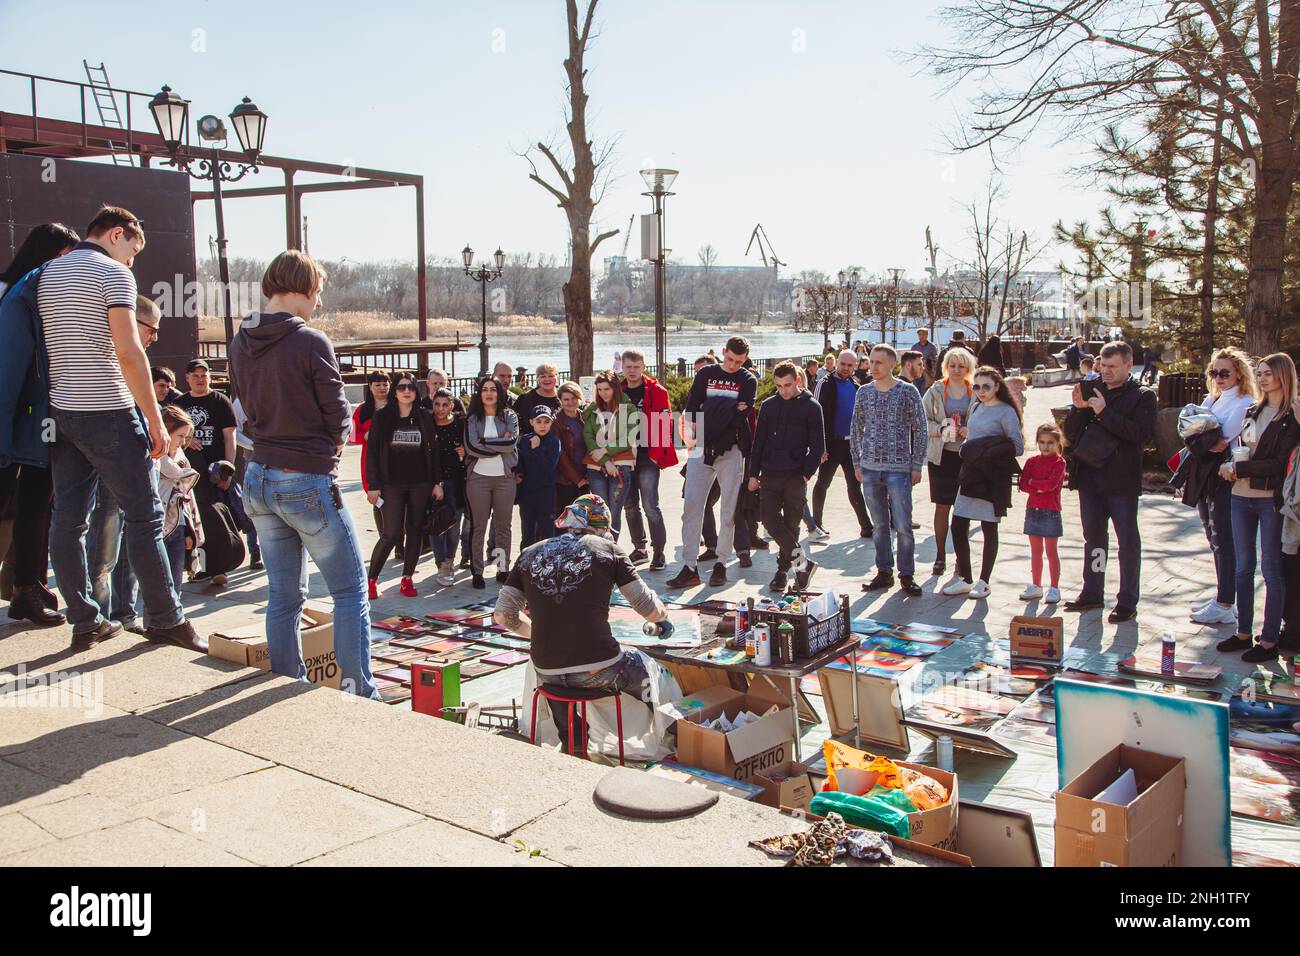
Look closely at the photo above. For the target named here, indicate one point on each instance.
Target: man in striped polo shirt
(107, 427)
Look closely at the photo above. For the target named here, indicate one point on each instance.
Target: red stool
(580, 697)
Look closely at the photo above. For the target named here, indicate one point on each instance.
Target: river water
(530, 351)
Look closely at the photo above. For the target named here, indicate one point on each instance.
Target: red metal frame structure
(38, 135)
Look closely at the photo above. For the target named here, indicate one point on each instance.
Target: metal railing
(32, 81)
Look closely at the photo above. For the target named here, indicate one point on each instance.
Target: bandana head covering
(587, 513)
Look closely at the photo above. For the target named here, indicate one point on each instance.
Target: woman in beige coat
(947, 405)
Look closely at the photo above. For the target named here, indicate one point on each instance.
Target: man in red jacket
(655, 452)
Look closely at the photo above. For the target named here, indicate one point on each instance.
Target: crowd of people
(127, 484)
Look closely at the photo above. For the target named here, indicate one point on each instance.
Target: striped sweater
(889, 432)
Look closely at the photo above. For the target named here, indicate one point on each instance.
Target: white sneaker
(1053, 596)
(1198, 606)
(820, 534)
(956, 585)
(1032, 592)
(1215, 613)
(979, 591)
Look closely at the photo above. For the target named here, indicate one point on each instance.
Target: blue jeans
(1216, 517)
(1097, 511)
(444, 545)
(644, 493)
(299, 514)
(627, 675)
(175, 543)
(1252, 518)
(111, 448)
(614, 490)
(888, 495)
(112, 582)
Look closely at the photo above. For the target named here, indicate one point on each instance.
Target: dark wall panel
(34, 190)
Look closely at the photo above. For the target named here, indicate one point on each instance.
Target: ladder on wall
(106, 105)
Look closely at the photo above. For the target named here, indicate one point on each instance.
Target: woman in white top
(1232, 391)
(491, 430)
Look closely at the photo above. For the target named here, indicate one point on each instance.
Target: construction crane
(759, 235)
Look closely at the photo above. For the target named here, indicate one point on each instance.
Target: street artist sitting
(566, 583)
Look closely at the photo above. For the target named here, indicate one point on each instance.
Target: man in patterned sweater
(887, 441)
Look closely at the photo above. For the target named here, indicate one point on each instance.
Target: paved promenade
(153, 755)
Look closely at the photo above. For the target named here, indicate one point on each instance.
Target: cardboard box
(247, 645)
(785, 786)
(1146, 832)
(764, 744)
(937, 827)
(1037, 638)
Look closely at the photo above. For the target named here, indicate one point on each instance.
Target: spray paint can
(763, 644)
(943, 752)
(742, 617)
(785, 642)
(1167, 653)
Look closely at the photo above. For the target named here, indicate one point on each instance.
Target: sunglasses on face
(405, 387)
(983, 387)
(1223, 373)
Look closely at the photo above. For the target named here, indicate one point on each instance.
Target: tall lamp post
(170, 114)
(848, 285)
(483, 275)
(658, 182)
(897, 272)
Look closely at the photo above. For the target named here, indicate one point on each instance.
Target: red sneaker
(408, 588)
(374, 589)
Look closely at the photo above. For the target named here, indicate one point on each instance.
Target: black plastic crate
(811, 636)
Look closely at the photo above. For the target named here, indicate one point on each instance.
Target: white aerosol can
(763, 645)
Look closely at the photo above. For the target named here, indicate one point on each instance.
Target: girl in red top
(1042, 478)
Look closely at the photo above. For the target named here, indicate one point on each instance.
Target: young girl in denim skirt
(1042, 478)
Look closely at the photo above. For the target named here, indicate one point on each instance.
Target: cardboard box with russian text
(1037, 638)
(247, 645)
(765, 744)
(1147, 831)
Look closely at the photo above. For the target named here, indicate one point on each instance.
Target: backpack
(223, 548)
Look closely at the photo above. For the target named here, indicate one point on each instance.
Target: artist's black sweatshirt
(789, 436)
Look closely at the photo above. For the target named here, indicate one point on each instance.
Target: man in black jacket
(835, 394)
(1108, 431)
(788, 445)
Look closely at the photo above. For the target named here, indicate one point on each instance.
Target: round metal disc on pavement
(643, 796)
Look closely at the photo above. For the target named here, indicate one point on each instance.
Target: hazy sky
(800, 115)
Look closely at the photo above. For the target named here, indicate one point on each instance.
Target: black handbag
(1096, 447)
(441, 518)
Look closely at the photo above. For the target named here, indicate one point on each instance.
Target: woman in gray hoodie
(491, 430)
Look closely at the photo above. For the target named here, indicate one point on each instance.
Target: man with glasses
(109, 433)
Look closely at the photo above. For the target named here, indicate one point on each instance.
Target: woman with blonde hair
(947, 405)
(1257, 470)
(1232, 391)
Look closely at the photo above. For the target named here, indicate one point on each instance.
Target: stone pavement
(136, 754)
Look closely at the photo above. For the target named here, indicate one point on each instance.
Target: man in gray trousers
(715, 428)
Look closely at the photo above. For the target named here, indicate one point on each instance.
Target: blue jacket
(24, 377)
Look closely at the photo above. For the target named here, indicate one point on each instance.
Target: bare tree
(816, 308)
(1091, 62)
(581, 188)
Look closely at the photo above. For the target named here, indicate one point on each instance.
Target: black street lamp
(170, 114)
(658, 182)
(483, 275)
(848, 285)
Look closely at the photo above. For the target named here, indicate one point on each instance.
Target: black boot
(29, 605)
